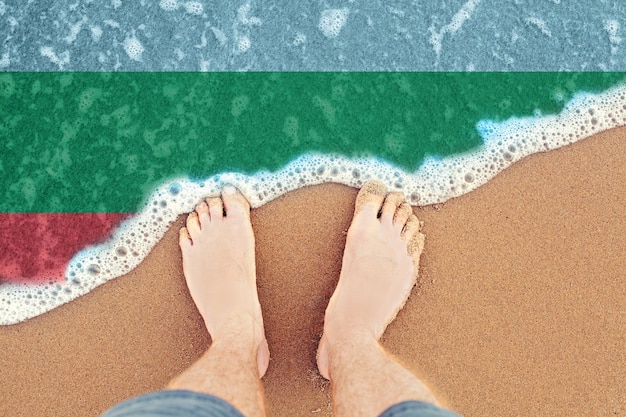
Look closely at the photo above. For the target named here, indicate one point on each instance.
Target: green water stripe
(100, 142)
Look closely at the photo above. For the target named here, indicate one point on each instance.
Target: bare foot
(219, 266)
(380, 264)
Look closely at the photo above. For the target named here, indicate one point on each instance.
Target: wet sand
(520, 307)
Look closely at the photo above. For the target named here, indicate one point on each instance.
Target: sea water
(108, 140)
(401, 35)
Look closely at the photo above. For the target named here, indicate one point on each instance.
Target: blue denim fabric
(179, 403)
(184, 403)
(417, 409)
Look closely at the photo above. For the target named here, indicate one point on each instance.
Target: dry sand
(520, 309)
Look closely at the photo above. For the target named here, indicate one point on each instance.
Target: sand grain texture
(519, 310)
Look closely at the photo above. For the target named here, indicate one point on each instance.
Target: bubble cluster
(612, 28)
(168, 5)
(242, 16)
(239, 105)
(133, 48)
(87, 98)
(243, 44)
(299, 39)
(332, 21)
(194, 7)
(436, 181)
(129, 245)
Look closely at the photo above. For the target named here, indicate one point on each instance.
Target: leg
(379, 270)
(219, 266)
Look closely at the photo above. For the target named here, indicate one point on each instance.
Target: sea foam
(435, 181)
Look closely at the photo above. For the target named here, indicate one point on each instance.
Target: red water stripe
(36, 247)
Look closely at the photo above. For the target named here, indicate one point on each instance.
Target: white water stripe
(436, 181)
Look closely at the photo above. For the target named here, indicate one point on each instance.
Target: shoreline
(517, 311)
(435, 181)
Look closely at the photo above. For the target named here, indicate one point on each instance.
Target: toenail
(229, 189)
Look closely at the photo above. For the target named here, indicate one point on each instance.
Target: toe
(235, 203)
(193, 225)
(402, 215)
(216, 208)
(390, 206)
(414, 240)
(370, 197)
(411, 228)
(202, 209)
(184, 240)
(416, 245)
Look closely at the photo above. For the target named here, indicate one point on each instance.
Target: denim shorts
(182, 403)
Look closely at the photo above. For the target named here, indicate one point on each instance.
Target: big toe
(235, 204)
(370, 197)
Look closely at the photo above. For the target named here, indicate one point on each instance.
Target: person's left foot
(218, 262)
(379, 269)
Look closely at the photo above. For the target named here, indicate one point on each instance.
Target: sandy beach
(519, 310)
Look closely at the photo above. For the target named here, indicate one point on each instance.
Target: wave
(435, 181)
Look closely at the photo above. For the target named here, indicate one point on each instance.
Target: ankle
(346, 325)
(238, 331)
(349, 340)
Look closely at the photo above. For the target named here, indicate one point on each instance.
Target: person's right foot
(379, 269)
(217, 245)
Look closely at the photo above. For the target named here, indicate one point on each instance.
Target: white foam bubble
(332, 21)
(243, 44)
(75, 30)
(299, 39)
(116, 3)
(539, 24)
(60, 60)
(459, 18)
(3, 8)
(96, 33)
(133, 48)
(435, 181)
(194, 7)
(168, 5)
(111, 23)
(87, 98)
(612, 28)
(5, 61)
(242, 16)
(219, 35)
